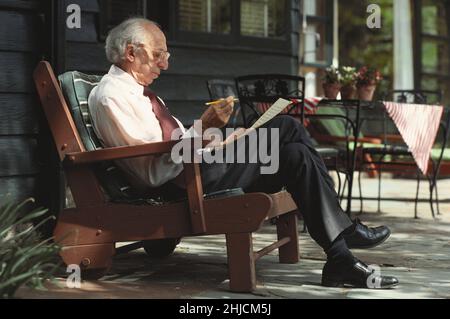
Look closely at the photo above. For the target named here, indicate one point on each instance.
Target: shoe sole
(373, 245)
(337, 284)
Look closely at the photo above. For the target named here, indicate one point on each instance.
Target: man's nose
(163, 65)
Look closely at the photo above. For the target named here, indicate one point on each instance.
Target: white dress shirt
(121, 116)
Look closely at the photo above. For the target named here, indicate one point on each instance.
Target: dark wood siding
(24, 141)
(183, 85)
(20, 49)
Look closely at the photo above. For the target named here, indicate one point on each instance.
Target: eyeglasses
(160, 56)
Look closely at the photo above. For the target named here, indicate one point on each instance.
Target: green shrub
(25, 259)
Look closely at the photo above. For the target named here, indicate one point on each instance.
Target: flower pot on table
(348, 92)
(331, 90)
(366, 92)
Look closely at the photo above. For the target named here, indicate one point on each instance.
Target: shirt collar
(126, 79)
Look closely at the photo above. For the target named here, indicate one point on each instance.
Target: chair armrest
(194, 186)
(121, 152)
(334, 139)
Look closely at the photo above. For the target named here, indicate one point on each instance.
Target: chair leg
(339, 182)
(437, 198)
(434, 176)
(89, 257)
(305, 228)
(336, 168)
(343, 188)
(431, 187)
(287, 227)
(379, 190)
(241, 262)
(417, 194)
(360, 190)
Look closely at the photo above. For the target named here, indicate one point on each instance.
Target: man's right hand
(218, 115)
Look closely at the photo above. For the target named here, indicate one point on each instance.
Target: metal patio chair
(258, 92)
(394, 154)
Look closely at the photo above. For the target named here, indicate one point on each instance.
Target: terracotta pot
(348, 92)
(331, 90)
(366, 92)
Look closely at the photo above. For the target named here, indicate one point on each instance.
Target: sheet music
(273, 111)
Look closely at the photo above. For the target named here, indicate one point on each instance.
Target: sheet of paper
(273, 111)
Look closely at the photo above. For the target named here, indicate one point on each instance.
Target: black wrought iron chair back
(395, 148)
(257, 92)
(222, 88)
(414, 96)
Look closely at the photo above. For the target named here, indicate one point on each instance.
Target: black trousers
(301, 171)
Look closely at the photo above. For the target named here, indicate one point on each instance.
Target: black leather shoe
(356, 275)
(364, 237)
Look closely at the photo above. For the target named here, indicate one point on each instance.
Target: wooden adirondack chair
(106, 211)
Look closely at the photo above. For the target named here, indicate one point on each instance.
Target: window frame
(235, 38)
(327, 20)
(104, 17)
(420, 36)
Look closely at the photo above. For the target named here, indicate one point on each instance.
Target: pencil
(218, 101)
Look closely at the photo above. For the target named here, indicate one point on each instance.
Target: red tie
(166, 120)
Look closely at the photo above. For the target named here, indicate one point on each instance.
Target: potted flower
(367, 80)
(331, 83)
(348, 81)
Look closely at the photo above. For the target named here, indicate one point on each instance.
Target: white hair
(131, 31)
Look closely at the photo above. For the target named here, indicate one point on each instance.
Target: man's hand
(218, 115)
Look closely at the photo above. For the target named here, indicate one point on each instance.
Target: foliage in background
(24, 257)
(359, 45)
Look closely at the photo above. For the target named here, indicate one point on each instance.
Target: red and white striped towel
(418, 126)
(311, 104)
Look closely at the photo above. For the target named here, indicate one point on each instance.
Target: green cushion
(435, 153)
(76, 87)
(332, 126)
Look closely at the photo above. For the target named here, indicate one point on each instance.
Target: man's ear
(130, 53)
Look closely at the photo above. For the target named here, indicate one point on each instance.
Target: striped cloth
(311, 104)
(418, 126)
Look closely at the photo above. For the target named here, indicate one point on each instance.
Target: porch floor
(417, 253)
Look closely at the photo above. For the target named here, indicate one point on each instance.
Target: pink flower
(368, 76)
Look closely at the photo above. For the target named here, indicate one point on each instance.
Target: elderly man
(125, 112)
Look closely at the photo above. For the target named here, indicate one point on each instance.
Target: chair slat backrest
(257, 92)
(61, 123)
(414, 96)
